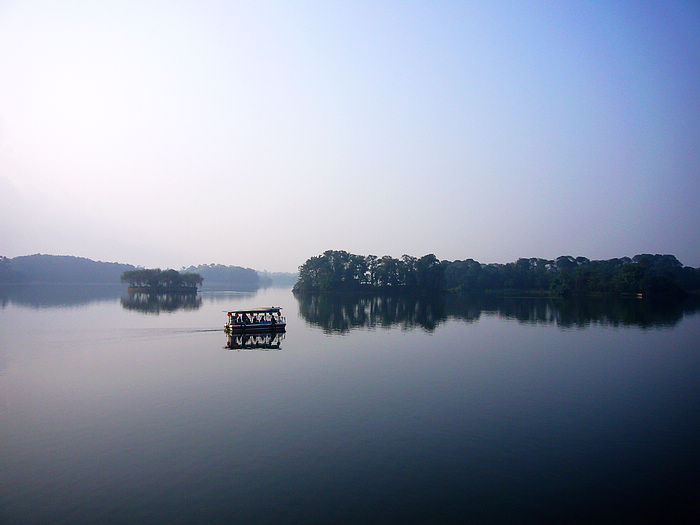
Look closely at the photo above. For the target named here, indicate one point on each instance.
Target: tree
(155, 280)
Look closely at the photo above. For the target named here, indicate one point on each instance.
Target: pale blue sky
(259, 134)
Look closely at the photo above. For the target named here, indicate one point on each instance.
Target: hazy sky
(260, 134)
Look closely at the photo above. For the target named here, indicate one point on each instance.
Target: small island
(155, 280)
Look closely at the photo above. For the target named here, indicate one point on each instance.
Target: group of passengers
(252, 318)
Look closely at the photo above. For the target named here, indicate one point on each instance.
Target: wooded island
(157, 281)
(646, 274)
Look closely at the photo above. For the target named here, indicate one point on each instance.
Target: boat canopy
(268, 310)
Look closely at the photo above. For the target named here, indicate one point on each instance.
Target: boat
(255, 320)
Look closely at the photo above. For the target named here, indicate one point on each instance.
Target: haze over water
(371, 410)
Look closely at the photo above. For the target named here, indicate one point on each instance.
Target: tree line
(157, 280)
(657, 275)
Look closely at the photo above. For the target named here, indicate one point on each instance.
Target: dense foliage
(156, 280)
(340, 270)
(646, 274)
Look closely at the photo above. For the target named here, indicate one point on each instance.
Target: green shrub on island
(649, 275)
(156, 280)
(343, 271)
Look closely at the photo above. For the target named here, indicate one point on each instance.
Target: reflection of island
(153, 303)
(263, 341)
(341, 313)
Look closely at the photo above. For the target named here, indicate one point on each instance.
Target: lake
(121, 409)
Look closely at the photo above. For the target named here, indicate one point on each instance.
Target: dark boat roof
(261, 310)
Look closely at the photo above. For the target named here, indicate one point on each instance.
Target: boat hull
(254, 328)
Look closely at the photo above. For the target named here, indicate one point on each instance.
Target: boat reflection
(260, 341)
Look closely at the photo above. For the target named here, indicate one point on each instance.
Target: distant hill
(67, 269)
(219, 276)
(64, 269)
(278, 278)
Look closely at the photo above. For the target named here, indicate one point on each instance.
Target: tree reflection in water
(162, 302)
(341, 313)
(49, 295)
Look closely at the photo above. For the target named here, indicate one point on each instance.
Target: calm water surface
(119, 409)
